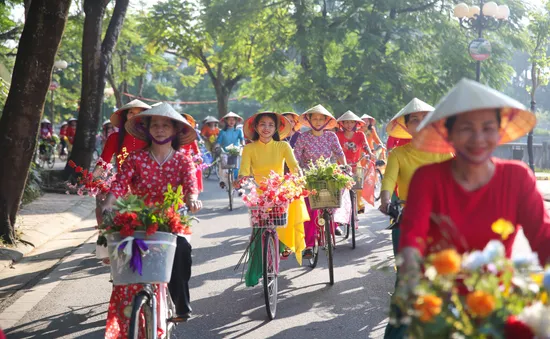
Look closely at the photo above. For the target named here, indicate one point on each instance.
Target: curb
(55, 223)
(543, 177)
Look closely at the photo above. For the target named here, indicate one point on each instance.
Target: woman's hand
(385, 201)
(193, 204)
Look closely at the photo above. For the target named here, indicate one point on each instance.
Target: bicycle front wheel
(329, 246)
(353, 220)
(270, 258)
(142, 304)
(378, 185)
(313, 260)
(230, 189)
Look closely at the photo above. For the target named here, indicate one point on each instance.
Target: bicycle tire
(379, 181)
(352, 224)
(171, 308)
(141, 303)
(313, 261)
(51, 161)
(207, 171)
(269, 268)
(328, 246)
(230, 189)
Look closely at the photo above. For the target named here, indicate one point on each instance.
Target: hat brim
(397, 128)
(116, 117)
(232, 115)
(296, 118)
(283, 126)
(190, 119)
(515, 123)
(186, 133)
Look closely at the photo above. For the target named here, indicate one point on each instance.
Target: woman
(370, 131)
(144, 173)
(121, 144)
(63, 137)
(71, 132)
(210, 132)
(46, 135)
(311, 146)
(354, 143)
(267, 153)
(474, 189)
(193, 150)
(229, 135)
(295, 128)
(403, 161)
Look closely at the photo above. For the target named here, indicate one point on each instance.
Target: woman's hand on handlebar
(193, 204)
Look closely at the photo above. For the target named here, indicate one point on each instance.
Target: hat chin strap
(317, 129)
(158, 142)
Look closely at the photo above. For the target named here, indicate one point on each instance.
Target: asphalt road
(71, 302)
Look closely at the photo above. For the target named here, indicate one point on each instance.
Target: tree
(539, 32)
(21, 116)
(223, 39)
(96, 56)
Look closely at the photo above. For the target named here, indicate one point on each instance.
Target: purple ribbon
(158, 142)
(138, 247)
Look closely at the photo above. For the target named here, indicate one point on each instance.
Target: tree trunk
(22, 112)
(96, 56)
(222, 96)
(534, 85)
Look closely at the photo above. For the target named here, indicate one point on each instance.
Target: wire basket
(268, 217)
(327, 196)
(358, 177)
(230, 161)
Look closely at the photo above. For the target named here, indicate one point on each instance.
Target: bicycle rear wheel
(378, 185)
(352, 224)
(230, 188)
(270, 257)
(313, 260)
(207, 171)
(142, 303)
(329, 246)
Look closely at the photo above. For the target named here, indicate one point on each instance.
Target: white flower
(525, 259)
(494, 250)
(475, 260)
(537, 317)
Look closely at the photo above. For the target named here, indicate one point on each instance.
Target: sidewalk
(544, 188)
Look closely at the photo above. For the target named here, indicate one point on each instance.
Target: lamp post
(486, 16)
(58, 66)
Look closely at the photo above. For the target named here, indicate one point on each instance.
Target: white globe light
(461, 10)
(60, 64)
(503, 12)
(108, 91)
(474, 10)
(490, 9)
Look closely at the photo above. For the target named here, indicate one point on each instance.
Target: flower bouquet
(268, 202)
(327, 179)
(87, 184)
(230, 159)
(481, 294)
(136, 230)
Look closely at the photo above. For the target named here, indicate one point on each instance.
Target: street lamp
(58, 66)
(486, 16)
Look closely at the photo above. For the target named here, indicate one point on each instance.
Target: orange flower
(429, 306)
(481, 304)
(447, 262)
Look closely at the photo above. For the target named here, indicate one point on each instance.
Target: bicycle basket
(268, 217)
(358, 177)
(156, 263)
(327, 196)
(230, 161)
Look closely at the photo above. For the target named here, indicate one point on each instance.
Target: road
(71, 301)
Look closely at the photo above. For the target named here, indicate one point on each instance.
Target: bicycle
(378, 177)
(230, 163)
(212, 161)
(46, 155)
(359, 177)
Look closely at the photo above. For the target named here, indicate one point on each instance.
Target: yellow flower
(429, 306)
(503, 227)
(537, 278)
(447, 262)
(481, 304)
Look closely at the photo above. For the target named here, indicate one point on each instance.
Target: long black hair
(175, 142)
(275, 119)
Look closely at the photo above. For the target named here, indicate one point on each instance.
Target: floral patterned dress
(143, 176)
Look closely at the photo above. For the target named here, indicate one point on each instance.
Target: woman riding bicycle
(472, 191)
(229, 135)
(354, 143)
(311, 146)
(46, 135)
(210, 132)
(193, 150)
(71, 132)
(403, 161)
(295, 128)
(267, 153)
(63, 137)
(372, 136)
(147, 173)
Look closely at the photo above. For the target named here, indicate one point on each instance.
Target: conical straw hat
(136, 127)
(116, 118)
(350, 116)
(232, 115)
(467, 96)
(366, 117)
(397, 128)
(106, 122)
(283, 126)
(45, 121)
(295, 117)
(319, 109)
(209, 119)
(190, 119)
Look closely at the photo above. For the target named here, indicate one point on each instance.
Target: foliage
(481, 294)
(32, 186)
(324, 171)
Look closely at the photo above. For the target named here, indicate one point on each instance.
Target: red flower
(72, 164)
(152, 229)
(78, 169)
(516, 329)
(126, 231)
